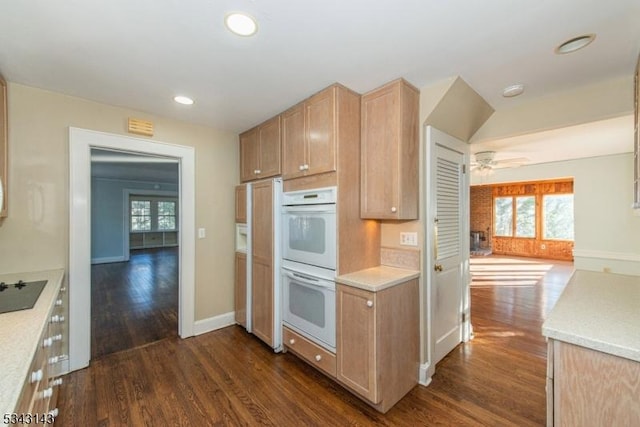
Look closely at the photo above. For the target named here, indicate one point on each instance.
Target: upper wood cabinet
(3, 146)
(311, 130)
(260, 150)
(389, 180)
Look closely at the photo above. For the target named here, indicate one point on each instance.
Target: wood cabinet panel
(260, 151)
(315, 355)
(594, 388)
(320, 132)
(389, 178)
(241, 204)
(262, 261)
(377, 342)
(240, 289)
(293, 142)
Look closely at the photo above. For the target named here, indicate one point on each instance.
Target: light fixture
(241, 24)
(575, 43)
(185, 100)
(513, 90)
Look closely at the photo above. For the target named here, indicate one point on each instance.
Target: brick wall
(481, 199)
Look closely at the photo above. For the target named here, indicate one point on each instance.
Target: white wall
(607, 234)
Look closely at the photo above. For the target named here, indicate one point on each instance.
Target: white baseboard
(212, 323)
(106, 260)
(423, 378)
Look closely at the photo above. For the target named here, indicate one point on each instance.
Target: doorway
(81, 142)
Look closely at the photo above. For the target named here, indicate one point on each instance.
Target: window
(524, 219)
(153, 214)
(166, 216)
(557, 216)
(140, 215)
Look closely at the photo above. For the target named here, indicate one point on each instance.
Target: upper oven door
(309, 235)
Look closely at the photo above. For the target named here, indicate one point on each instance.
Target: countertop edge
(370, 279)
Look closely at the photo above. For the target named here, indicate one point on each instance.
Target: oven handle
(321, 283)
(310, 209)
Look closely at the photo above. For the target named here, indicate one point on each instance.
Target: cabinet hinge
(464, 168)
(464, 317)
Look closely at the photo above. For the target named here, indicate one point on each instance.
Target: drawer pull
(63, 289)
(48, 392)
(59, 302)
(56, 383)
(292, 341)
(54, 412)
(47, 342)
(57, 318)
(36, 376)
(369, 303)
(318, 358)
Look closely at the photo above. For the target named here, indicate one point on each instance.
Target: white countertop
(600, 311)
(20, 333)
(377, 278)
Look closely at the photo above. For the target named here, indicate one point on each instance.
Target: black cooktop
(20, 295)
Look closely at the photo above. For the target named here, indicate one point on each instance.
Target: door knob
(437, 267)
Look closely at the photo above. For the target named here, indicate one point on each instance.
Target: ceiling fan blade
(517, 160)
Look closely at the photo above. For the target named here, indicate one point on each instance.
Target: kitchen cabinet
(310, 352)
(312, 130)
(240, 289)
(260, 151)
(377, 341)
(241, 204)
(4, 142)
(262, 263)
(390, 153)
(589, 387)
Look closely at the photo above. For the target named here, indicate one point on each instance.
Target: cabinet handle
(394, 209)
(47, 342)
(36, 376)
(57, 382)
(369, 303)
(256, 171)
(318, 358)
(306, 167)
(59, 302)
(301, 167)
(54, 412)
(292, 341)
(63, 289)
(48, 392)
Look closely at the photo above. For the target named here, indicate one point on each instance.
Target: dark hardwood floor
(228, 377)
(134, 303)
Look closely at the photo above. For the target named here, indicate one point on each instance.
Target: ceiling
(141, 53)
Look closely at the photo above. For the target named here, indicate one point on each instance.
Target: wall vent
(140, 127)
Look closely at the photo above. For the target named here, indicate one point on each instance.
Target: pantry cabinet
(390, 152)
(311, 132)
(377, 341)
(260, 151)
(262, 285)
(241, 204)
(240, 289)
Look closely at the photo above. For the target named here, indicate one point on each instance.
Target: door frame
(427, 369)
(81, 141)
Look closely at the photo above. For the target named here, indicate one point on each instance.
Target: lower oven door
(309, 307)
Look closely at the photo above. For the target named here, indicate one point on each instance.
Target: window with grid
(557, 216)
(167, 216)
(515, 216)
(140, 215)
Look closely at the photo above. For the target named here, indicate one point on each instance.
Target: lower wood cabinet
(378, 339)
(586, 387)
(240, 289)
(310, 352)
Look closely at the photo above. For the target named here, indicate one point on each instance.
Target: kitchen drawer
(310, 352)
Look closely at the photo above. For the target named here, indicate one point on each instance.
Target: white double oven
(309, 264)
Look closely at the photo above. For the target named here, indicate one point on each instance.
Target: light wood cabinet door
(3, 146)
(293, 142)
(262, 261)
(320, 132)
(389, 170)
(269, 142)
(249, 155)
(260, 151)
(356, 341)
(240, 289)
(241, 204)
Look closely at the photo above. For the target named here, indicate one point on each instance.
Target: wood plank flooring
(134, 303)
(228, 377)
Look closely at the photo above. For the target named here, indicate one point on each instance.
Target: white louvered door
(448, 254)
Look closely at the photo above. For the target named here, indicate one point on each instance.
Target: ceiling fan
(486, 163)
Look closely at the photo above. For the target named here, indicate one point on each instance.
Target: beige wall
(35, 235)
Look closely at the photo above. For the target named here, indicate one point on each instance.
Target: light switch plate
(409, 239)
(201, 233)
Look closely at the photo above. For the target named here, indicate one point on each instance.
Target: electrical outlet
(543, 246)
(409, 239)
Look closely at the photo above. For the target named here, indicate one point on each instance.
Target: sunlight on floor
(496, 271)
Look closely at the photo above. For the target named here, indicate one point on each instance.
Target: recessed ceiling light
(183, 100)
(241, 24)
(513, 90)
(575, 43)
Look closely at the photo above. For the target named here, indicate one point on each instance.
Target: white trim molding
(81, 141)
(424, 378)
(213, 323)
(618, 256)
